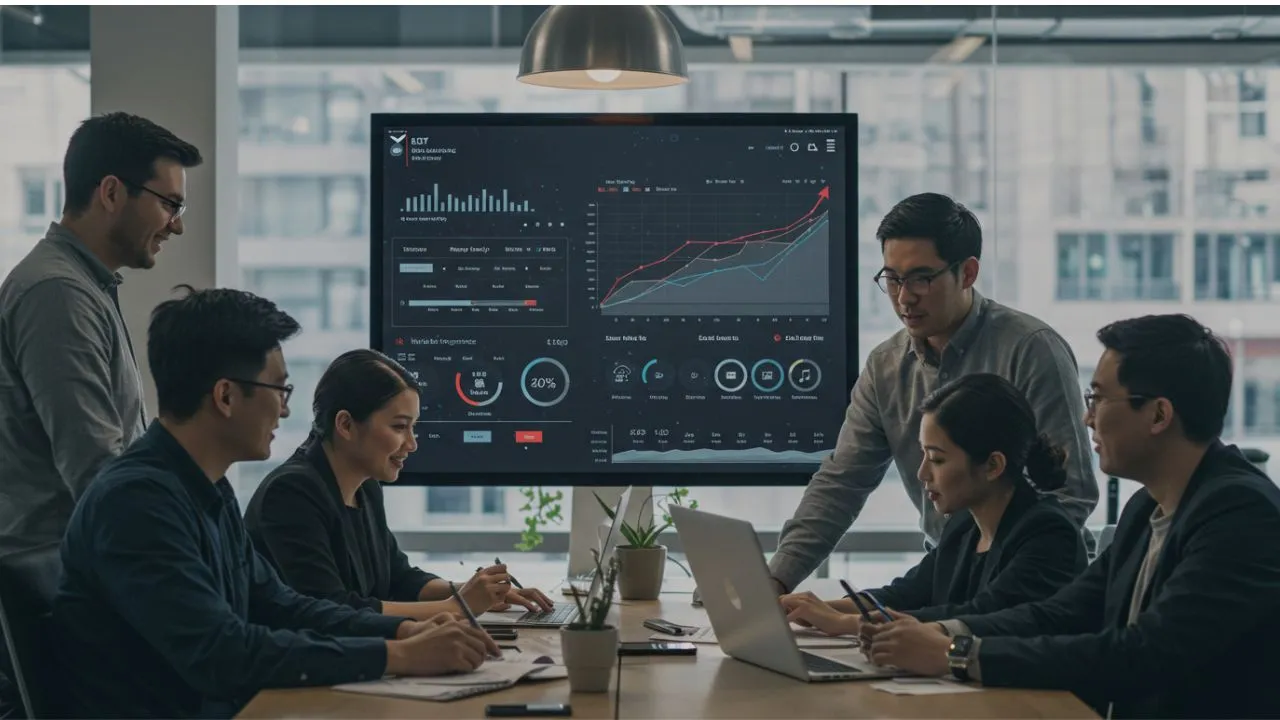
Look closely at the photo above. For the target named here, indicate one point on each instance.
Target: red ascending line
(823, 194)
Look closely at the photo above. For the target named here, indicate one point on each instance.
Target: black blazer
(298, 522)
(1205, 642)
(1036, 551)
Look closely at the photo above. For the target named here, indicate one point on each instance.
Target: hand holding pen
(471, 617)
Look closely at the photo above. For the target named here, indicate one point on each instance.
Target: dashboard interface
(617, 298)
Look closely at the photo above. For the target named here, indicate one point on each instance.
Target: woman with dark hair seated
(319, 518)
(1007, 541)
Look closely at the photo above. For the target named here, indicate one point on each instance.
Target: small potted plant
(590, 644)
(642, 561)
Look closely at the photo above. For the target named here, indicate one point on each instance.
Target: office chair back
(28, 581)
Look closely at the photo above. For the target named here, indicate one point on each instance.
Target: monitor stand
(588, 523)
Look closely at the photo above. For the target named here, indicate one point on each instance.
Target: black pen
(466, 609)
(514, 581)
(849, 593)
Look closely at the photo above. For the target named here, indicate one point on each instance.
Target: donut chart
(544, 382)
(478, 384)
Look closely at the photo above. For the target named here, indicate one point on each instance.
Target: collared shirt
(882, 425)
(70, 391)
(166, 610)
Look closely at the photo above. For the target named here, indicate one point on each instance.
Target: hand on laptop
(808, 610)
(529, 598)
(486, 589)
(450, 646)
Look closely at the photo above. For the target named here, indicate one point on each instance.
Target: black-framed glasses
(1091, 399)
(915, 283)
(176, 209)
(286, 391)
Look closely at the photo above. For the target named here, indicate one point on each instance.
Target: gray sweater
(882, 425)
(70, 392)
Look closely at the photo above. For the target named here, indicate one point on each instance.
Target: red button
(528, 436)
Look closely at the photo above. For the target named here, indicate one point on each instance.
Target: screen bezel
(617, 474)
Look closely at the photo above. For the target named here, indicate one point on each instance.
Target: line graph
(780, 270)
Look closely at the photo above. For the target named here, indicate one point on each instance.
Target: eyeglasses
(916, 283)
(1091, 399)
(284, 390)
(176, 209)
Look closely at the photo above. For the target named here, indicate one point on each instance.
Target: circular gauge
(657, 375)
(695, 375)
(767, 375)
(478, 383)
(731, 375)
(804, 375)
(544, 382)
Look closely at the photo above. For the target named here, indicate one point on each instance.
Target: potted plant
(642, 561)
(590, 644)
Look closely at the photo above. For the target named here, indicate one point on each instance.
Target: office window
(1090, 181)
(1237, 266)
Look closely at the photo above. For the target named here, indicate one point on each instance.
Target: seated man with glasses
(164, 608)
(1177, 618)
(931, 247)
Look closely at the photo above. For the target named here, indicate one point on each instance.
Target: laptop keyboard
(823, 666)
(562, 613)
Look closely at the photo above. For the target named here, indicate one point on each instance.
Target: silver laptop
(728, 564)
(563, 613)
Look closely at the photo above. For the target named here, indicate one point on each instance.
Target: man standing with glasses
(931, 247)
(70, 391)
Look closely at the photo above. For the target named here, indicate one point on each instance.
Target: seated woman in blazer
(1006, 543)
(319, 518)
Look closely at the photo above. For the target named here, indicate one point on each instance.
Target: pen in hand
(514, 581)
(853, 595)
(466, 609)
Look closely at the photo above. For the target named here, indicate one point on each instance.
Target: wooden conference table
(708, 685)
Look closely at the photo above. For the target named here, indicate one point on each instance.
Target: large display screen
(587, 296)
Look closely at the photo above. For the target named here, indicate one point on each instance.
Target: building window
(1253, 124)
(1237, 266)
(326, 299)
(448, 501)
(1233, 194)
(1125, 266)
(318, 206)
(456, 506)
(41, 197)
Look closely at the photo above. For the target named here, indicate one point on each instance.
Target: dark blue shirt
(166, 610)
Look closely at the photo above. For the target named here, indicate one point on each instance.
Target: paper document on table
(805, 637)
(924, 686)
(493, 675)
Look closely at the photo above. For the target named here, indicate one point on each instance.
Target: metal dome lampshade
(603, 47)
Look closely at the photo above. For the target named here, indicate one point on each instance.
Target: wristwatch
(958, 656)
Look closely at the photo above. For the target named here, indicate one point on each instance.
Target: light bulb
(604, 76)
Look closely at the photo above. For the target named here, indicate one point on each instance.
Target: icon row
(729, 375)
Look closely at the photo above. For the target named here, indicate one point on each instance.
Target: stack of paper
(493, 675)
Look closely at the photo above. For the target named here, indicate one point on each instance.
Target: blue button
(477, 436)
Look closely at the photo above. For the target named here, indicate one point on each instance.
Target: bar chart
(485, 202)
